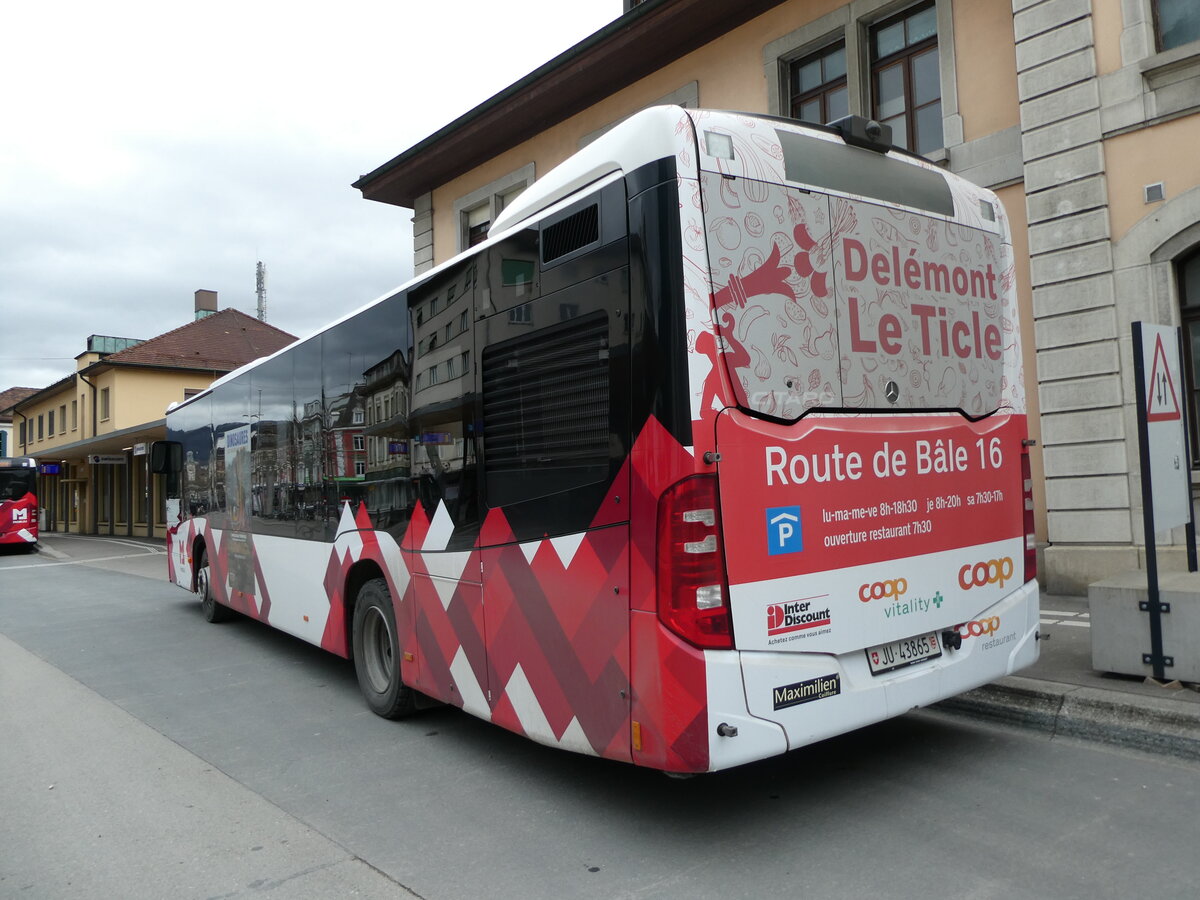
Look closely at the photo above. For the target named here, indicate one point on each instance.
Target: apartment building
(90, 431)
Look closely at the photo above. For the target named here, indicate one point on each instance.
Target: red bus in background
(18, 501)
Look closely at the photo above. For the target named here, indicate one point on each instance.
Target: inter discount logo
(981, 574)
(798, 615)
(883, 590)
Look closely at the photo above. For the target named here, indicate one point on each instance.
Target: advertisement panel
(845, 531)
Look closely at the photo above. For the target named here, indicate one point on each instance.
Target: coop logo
(994, 571)
(784, 618)
(980, 627)
(806, 691)
(783, 530)
(883, 590)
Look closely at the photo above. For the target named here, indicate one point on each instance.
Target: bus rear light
(1030, 525)
(693, 597)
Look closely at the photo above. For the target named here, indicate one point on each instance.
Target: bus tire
(213, 611)
(377, 655)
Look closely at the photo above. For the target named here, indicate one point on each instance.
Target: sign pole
(1152, 605)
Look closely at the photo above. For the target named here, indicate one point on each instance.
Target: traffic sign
(1162, 401)
(1162, 423)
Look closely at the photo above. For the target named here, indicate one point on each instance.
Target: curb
(1149, 724)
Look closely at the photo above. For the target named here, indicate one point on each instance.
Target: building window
(476, 223)
(360, 467)
(465, 362)
(41, 432)
(358, 442)
(1189, 301)
(905, 83)
(50, 424)
(104, 410)
(21, 433)
(818, 85)
(358, 416)
(520, 315)
(463, 322)
(62, 418)
(1176, 22)
(476, 211)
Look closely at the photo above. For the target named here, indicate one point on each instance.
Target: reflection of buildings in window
(905, 79)
(386, 386)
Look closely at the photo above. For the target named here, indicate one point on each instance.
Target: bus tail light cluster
(1030, 536)
(693, 594)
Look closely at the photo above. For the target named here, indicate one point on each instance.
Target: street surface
(146, 753)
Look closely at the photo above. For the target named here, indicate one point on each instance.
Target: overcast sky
(151, 149)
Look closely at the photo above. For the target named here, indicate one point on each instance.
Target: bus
(715, 447)
(18, 502)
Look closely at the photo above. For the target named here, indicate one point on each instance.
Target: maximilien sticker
(818, 688)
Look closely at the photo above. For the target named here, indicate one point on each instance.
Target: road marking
(145, 548)
(74, 562)
(1063, 613)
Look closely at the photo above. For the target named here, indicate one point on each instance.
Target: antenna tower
(260, 281)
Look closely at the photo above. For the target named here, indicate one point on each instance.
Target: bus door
(442, 621)
(555, 376)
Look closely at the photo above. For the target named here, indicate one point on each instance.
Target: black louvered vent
(545, 410)
(570, 234)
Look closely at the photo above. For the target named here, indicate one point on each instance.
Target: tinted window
(854, 170)
(273, 459)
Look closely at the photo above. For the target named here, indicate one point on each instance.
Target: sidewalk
(1063, 695)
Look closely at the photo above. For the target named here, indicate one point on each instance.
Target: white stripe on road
(74, 562)
(145, 548)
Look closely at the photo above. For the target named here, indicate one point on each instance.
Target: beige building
(8, 399)
(91, 430)
(1078, 113)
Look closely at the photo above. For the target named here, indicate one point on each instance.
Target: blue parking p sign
(783, 530)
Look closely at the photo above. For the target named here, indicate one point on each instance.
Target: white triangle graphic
(440, 529)
(445, 590)
(468, 687)
(567, 546)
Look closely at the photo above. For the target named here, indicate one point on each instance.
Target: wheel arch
(360, 573)
(199, 546)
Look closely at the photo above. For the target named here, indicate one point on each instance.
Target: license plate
(906, 652)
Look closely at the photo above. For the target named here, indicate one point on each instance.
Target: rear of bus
(18, 502)
(864, 521)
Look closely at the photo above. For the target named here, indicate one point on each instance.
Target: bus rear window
(834, 166)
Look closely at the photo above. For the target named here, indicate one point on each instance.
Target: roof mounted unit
(863, 132)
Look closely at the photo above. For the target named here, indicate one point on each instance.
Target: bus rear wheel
(212, 610)
(376, 653)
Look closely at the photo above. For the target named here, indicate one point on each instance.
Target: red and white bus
(18, 502)
(715, 448)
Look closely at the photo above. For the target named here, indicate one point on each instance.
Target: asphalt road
(149, 754)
